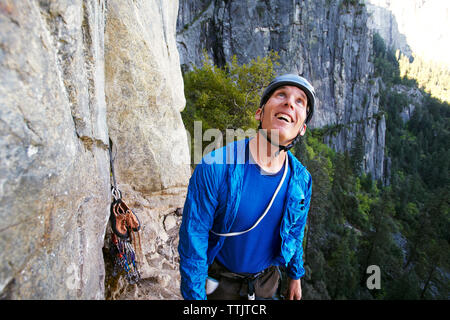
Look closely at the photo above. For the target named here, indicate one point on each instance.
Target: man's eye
(300, 103)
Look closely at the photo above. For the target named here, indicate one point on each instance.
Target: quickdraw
(125, 260)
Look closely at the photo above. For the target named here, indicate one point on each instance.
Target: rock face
(144, 93)
(74, 73)
(328, 42)
(54, 181)
(415, 99)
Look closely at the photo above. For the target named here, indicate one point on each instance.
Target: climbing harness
(247, 283)
(125, 239)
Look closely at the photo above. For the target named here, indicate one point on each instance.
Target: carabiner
(116, 193)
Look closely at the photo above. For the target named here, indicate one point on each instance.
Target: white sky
(425, 23)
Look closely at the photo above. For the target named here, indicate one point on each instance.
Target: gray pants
(233, 286)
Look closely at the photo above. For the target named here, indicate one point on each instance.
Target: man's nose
(290, 102)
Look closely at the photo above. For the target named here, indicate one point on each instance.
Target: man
(247, 204)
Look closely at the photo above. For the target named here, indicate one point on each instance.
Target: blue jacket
(221, 171)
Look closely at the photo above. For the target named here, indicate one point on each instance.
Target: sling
(232, 234)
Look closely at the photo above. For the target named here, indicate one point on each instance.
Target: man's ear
(303, 130)
(259, 113)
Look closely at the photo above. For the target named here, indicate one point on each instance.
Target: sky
(426, 25)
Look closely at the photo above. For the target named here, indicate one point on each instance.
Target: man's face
(286, 112)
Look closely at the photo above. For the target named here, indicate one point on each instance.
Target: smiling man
(243, 219)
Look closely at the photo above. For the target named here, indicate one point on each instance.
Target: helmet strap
(281, 147)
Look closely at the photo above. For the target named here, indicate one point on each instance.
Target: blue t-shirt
(259, 248)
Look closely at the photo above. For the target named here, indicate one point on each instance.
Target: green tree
(226, 98)
(419, 190)
(433, 77)
(342, 268)
(317, 157)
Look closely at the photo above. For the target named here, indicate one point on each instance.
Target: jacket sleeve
(295, 268)
(198, 215)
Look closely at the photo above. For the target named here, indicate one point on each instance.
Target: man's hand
(294, 291)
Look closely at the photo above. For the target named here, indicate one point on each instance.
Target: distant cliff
(328, 42)
(420, 27)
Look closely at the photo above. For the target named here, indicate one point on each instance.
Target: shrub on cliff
(226, 98)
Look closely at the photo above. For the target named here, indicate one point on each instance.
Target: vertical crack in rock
(89, 60)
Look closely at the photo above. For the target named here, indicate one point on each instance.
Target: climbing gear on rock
(125, 239)
(123, 219)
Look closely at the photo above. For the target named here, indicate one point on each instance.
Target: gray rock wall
(54, 185)
(144, 94)
(384, 22)
(73, 73)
